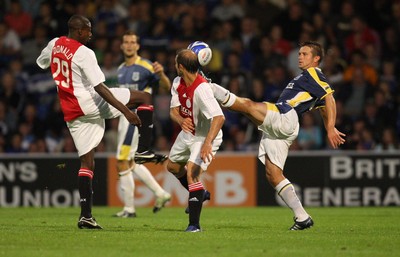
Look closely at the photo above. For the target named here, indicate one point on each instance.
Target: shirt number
(63, 68)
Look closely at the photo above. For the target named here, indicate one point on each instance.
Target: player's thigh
(86, 133)
(139, 97)
(195, 151)
(180, 150)
(276, 149)
(106, 110)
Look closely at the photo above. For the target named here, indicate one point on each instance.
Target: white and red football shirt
(196, 102)
(76, 72)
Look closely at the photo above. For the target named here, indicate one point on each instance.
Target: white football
(203, 52)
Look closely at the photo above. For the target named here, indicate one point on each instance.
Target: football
(203, 52)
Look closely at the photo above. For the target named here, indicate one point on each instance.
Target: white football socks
(223, 96)
(286, 191)
(147, 178)
(127, 185)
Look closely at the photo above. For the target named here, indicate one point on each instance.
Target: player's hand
(335, 138)
(206, 152)
(158, 68)
(187, 125)
(133, 118)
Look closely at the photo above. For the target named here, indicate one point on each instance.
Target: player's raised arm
(328, 113)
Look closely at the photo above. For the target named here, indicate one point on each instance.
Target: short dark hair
(188, 59)
(131, 33)
(316, 49)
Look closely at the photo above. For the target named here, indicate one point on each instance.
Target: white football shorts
(279, 132)
(187, 148)
(88, 130)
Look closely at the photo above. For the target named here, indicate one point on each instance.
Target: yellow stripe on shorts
(124, 152)
(271, 107)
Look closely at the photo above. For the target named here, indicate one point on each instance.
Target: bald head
(79, 28)
(77, 22)
(188, 59)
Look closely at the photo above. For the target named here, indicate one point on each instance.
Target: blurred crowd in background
(255, 49)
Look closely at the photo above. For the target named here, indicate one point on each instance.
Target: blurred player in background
(86, 101)
(195, 109)
(134, 142)
(280, 126)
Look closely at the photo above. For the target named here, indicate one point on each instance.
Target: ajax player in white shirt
(86, 101)
(195, 109)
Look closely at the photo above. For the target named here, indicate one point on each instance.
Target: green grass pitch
(261, 231)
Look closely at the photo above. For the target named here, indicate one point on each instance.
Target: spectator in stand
(27, 135)
(333, 71)
(292, 21)
(109, 69)
(389, 141)
(361, 35)
(385, 107)
(133, 20)
(234, 70)
(120, 29)
(10, 44)
(8, 120)
(158, 37)
(101, 29)
(115, 48)
(367, 141)
(249, 34)
(221, 37)
(32, 47)
(201, 19)
(227, 10)
(388, 75)
(358, 90)
(276, 79)
(391, 40)
(320, 29)
(265, 12)
(8, 92)
(30, 117)
(280, 45)
(47, 19)
(21, 76)
(354, 138)
(145, 11)
(67, 145)
(108, 14)
(341, 24)
(19, 20)
(38, 146)
(55, 125)
(372, 55)
(257, 93)
(310, 133)
(15, 144)
(100, 47)
(186, 32)
(358, 63)
(267, 57)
